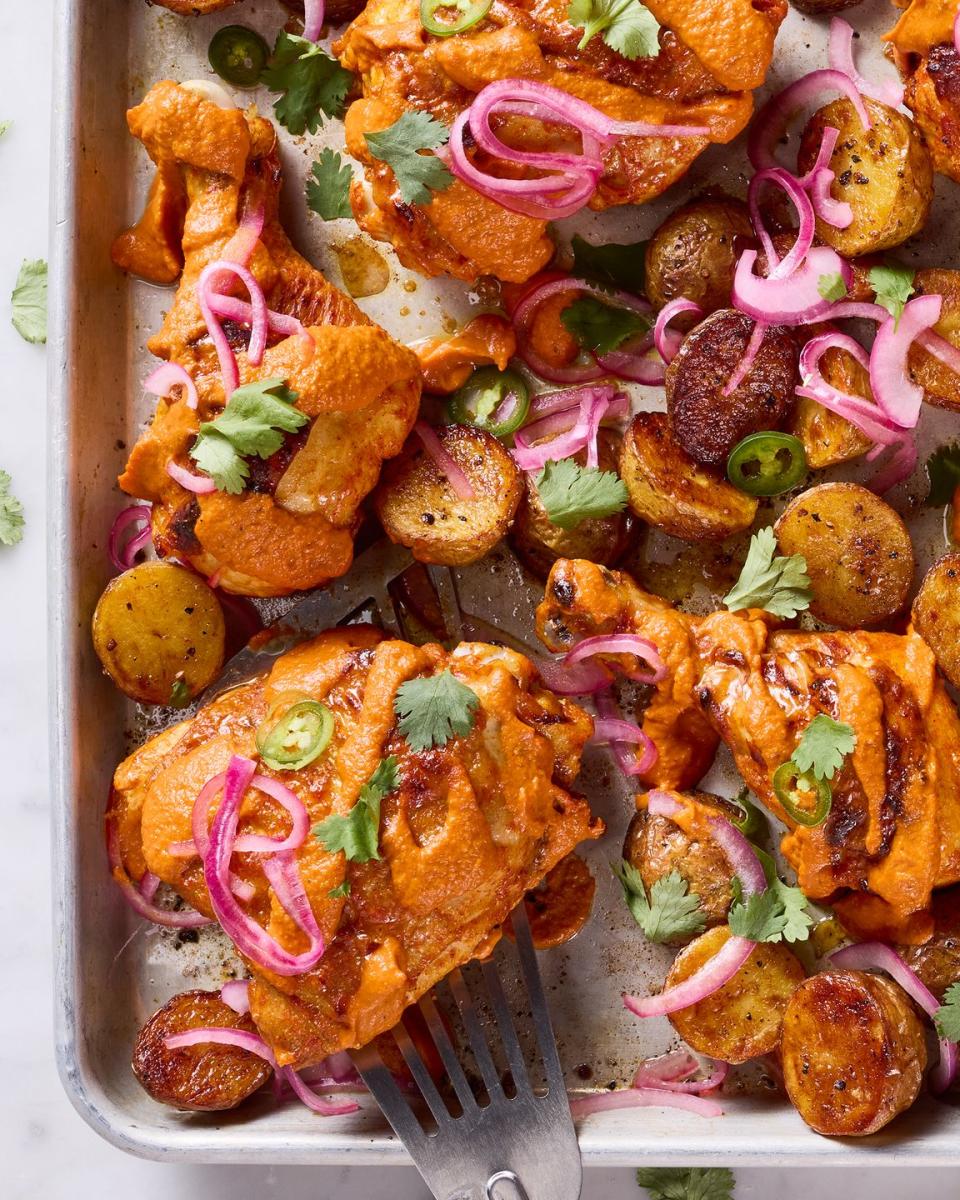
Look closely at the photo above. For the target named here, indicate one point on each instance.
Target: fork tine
(418, 1069)
(447, 1053)
(538, 1000)
(394, 1104)
(508, 1033)
(445, 586)
(478, 1042)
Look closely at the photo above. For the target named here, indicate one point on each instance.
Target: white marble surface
(46, 1151)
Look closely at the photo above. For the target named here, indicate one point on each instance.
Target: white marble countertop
(47, 1152)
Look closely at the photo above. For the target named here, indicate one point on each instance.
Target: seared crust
(933, 96)
(853, 1052)
(937, 961)
(936, 614)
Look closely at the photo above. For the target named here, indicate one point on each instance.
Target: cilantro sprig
(894, 287)
(832, 287)
(434, 709)
(358, 833)
(943, 471)
(947, 1016)
(778, 914)
(313, 84)
(687, 1183)
(11, 513)
(671, 910)
(399, 145)
(777, 584)
(29, 301)
(627, 26)
(571, 494)
(254, 422)
(601, 327)
(824, 745)
(328, 192)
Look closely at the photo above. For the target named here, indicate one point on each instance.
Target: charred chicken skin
(713, 53)
(471, 826)
(893, 833)
(292, 526)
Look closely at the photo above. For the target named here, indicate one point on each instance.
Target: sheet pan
(111, 971)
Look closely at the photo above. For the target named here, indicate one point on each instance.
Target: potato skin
(936, 614)
(858, 551)
(941, 386)
(817, 8)
(605, 540)
(853, 1052)
(937, 961)
(155, 625)
(202, 1078)
(418, 509)
(884, 174)
(656, 846)
(828, 438)
(694, 253)
(742, 1019)
(709, 424)
(669, 490)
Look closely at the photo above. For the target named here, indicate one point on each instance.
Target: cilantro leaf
(687, 1183)
(314, 85)
(823, 747)
(779, 585)
(254, 422)
(777, 914)
(358, 833)
(628, 27)
(894, 287)
(11, 513)
(328, 192)
(179, 693)
(832, 287)
(399, 146)
(434, 709)
(340, 891)
(947, 1016)
(671, 911)
(623, 265)
(4, 126)
(571, 493)
(29, 301)
(601, 327)
(943, 471)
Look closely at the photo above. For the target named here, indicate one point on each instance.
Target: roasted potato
(539, 542)
(883, 173)
(933, 96)
(195, 8)
(858, 551)
(707, 423)
(204, 1078)
(937, 961)
(941, 386)
(560, 905)
(742, 1019)
(669, 490)
(656, 846)
(853, 1052)
(158, 630)
(694, 253)
(418, 508)
(936, 614)
(827, 437)
(819, 8)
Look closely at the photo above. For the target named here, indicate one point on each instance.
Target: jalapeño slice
(497, 401)
(443, 18)
(300, 735)
(766, 464)
(805, 799)
(238, 55)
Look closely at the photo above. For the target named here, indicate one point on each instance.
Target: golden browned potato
(418, 508)
(827, 437)
(207, 1077)
(669, 490)
(941, 386)
(883, 173)
(933, 96)
(694, 253)
(539, 542)
(936, 614)
(858, 551)
(194, 8)
(158, 630)
(742, 1019)
(656, 846)
(937, 961)
(707, 423)
(853, 1052)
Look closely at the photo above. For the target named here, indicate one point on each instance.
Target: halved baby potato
(858, 551)
(670, 491)
(941, 385)
(828, 438)
(418, 508)
(936, 614)
(693, 253)
(158, 630)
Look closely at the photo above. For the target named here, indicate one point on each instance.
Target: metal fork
(519, 1147)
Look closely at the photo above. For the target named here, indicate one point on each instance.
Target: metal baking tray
(111, 970)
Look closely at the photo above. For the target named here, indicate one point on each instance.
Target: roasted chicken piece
(293, 525)
(893, 833)
(713, 53)
(471, 826)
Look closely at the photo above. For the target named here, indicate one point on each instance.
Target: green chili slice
(766, 464)
(238, 55)
(795, 791)
(301, 734)
(751, 822)
(497, 401)
(470, 15)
